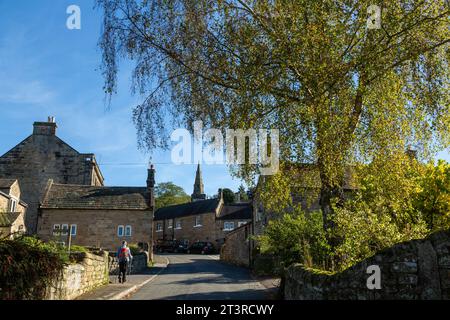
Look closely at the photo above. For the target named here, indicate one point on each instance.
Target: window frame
(120, 227)
(54, 228)
(178, 224)
(128, 227)
(241, 223)
(62, 228)
(198, 223)
(73, 230)
(159, 227)
(228, 223)
(13, 205)
(170, 224)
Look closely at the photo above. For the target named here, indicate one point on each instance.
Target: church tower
(199, 193)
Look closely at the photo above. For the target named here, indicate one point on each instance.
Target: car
(201, 247)
(166, 246)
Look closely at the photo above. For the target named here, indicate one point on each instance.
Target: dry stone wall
(414, 270)
(90, 272)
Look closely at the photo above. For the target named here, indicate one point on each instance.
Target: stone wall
(414, 270)
(90, 272)
(236, 249)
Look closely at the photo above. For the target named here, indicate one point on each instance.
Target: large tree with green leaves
(168, 194)
(337, 90)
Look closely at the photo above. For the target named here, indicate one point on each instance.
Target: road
(201, 277)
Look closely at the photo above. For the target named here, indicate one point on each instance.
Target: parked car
(171, 246)
(201, 247)
(166, 246)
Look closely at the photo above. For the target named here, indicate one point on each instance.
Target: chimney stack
(45, 128)
(151, 185)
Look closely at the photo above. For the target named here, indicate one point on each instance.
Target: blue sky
(47, 69)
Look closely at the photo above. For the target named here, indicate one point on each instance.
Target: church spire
(199, 192)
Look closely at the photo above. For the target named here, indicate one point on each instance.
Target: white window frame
(178, 224)
(13, 205)
(120, 227)
(67, 228)
(73, 230)
(159, 227)
(128, 231)
(225, 228)
(198, 222)
(56, 227)
(170, 224)
(241, 223)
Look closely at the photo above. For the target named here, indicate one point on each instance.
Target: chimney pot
(45, 128)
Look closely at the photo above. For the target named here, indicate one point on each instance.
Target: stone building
(307, 192)
(97, 215)
(12, 208)
(202, 219)
(43, 156)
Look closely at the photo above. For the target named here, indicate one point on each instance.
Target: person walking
(124, 256)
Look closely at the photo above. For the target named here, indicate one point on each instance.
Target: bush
(362, 232)
(28, 267)
(296, 237)
(135, 249)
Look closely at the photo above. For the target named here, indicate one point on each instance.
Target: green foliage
(76, 248)
(362, 232)
(433, 198)
(228, 196)
(134, 248)
(296, 237)
(167, 194)
(28, 267)
(242, 193)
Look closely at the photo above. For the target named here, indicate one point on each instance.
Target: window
(198, 221)
(241, 223)
(228, 226)
(128, 231)
(64, 229)
(159, 227)
(56, 228)
(178, 224)
(73, 230)
(170, 224)
(13, 205)
(120, 230)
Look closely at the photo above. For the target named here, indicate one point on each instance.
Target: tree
(167, 194)
(242, 193)
(228, 196)
(338, 91)
(433, 199)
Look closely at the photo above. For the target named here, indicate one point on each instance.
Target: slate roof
(236, 211)
(187, 209)
(63, 196)
(6, 183)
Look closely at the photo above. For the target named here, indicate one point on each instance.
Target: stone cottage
(43, 156)
(97, 215)
(12, 208)
(202, 219)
